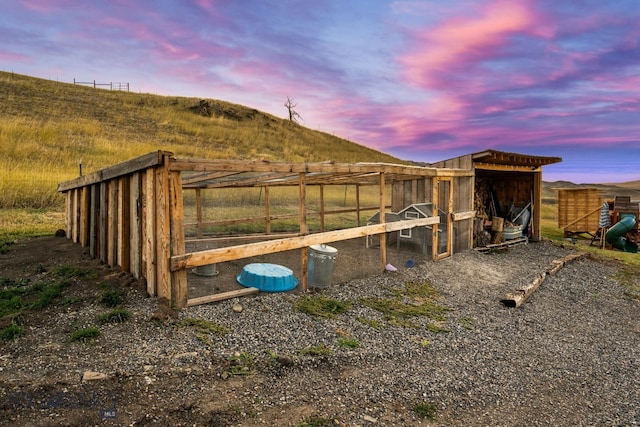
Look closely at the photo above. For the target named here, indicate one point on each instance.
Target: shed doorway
(442, 232)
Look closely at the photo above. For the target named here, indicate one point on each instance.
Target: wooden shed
(505, 184)
(132, 215)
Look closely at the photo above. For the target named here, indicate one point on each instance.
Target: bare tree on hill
(293, 114)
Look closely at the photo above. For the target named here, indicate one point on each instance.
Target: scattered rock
(164, 313)
(284, 360)
(237, 308)
(369, 419)
(93, 376)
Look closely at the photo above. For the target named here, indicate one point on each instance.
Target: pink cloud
(46, 5)
(464, 40)
(12, 56)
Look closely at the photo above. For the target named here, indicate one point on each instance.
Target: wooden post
(84, 213)
(149, 240)
(74, 214)
(93, 219)
(536, 209)
(68, 208)
(135, 241)
(358, 205)
(163, 232)
(303, 204)
(414, 191)
(383, 236)
(198, 213)
(321, 207)
(434, 230)
(104, 221)
(178, 278)
(112, 250)
(304, 263)
(267, 209)
(124, 224)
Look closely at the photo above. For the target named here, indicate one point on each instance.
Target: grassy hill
(48, 128)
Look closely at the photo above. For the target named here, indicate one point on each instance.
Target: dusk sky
(421, 80)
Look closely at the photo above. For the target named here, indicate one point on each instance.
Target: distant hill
(609, 191)
(630, 184)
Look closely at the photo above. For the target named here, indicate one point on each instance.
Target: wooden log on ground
(517, 297)
(221, 297)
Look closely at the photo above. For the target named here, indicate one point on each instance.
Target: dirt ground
(44, 396)
(150, 370)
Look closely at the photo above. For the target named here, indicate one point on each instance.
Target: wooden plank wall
(463, 195)
(125, 221)
(405, 193)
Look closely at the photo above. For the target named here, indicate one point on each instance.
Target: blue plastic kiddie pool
(267, 277)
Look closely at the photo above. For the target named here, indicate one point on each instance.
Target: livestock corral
(150, 215)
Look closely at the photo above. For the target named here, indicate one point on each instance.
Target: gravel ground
(570, 355)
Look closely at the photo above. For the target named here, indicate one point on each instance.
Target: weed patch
(117, 315)
(11, 332)
(437, 329)
(69, 271)
(425, 410)
(85, 334)
(112, 298)
(10, 303)
(71, 300)
(20, 296)
(48, 294)
(467, 323)
(203, 326)
(316, 350)
(414, 300)
(348, 343)
(321, 306)
(627, 276)
(375, 324)
(6, 282)
(241, 363)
